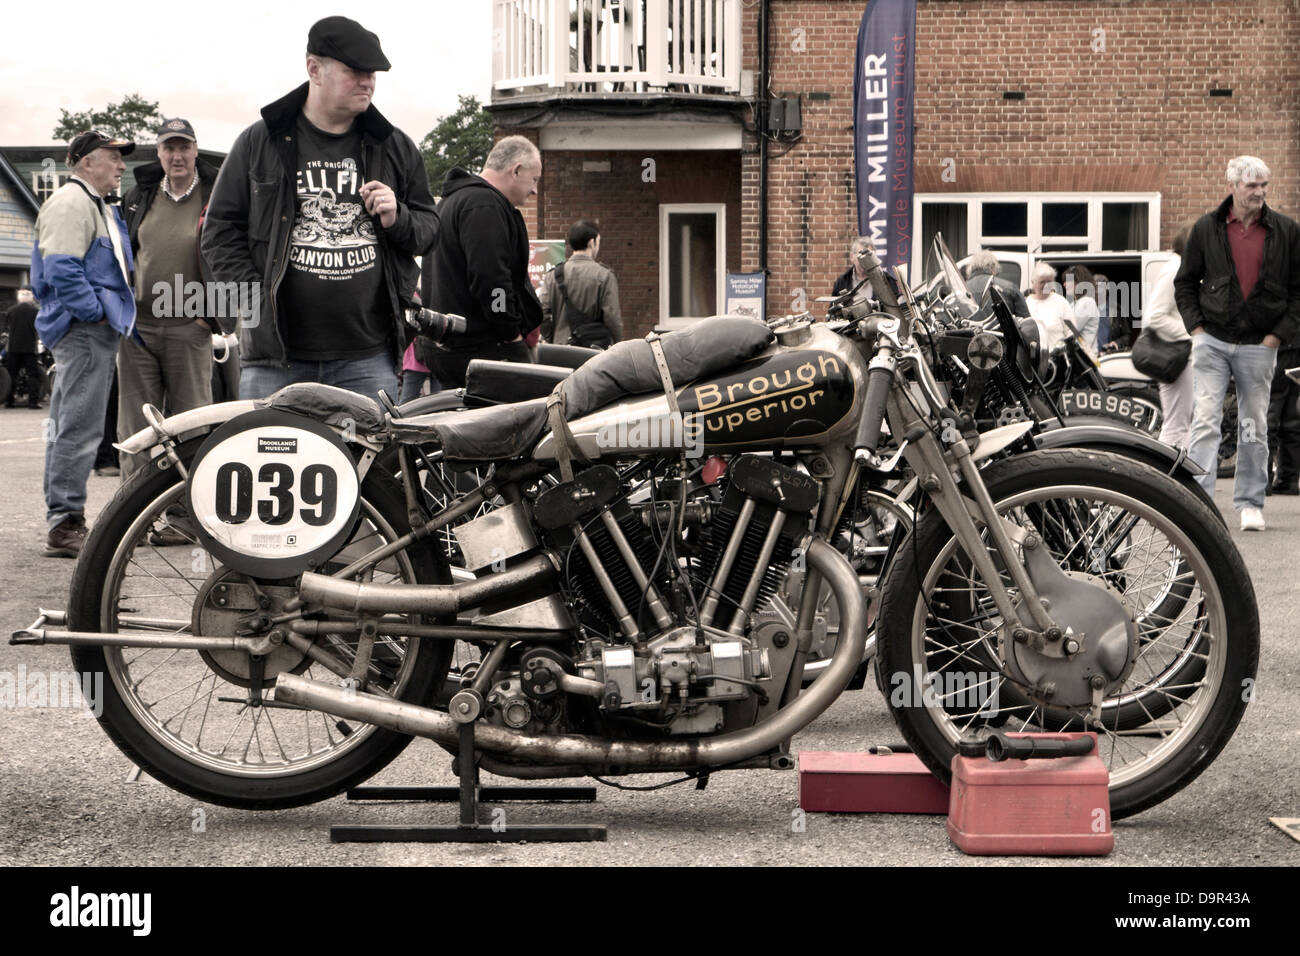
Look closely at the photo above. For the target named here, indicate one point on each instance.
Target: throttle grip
(873, 410)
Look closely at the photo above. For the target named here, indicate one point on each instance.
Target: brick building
(1080, 129)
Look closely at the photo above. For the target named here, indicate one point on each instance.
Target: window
(949, 220)
(691, 261)
(46, 181)
(1038, 222)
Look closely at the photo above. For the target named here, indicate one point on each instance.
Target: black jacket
(1208, 291)
(20, 323)
(251, 214)
(136, 205)
(480, 268)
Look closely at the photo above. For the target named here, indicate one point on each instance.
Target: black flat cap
(348, 42)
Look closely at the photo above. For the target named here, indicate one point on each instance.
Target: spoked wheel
(184, 715)
(1172, 700)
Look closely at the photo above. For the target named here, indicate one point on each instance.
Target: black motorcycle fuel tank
(802, 392)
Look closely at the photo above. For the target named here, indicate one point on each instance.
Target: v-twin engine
(665, 637)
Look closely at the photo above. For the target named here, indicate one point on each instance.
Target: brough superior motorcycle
(275, 616)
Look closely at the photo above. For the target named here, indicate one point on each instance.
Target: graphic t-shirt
(333, 292)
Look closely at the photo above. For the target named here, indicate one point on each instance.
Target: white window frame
(1034, 201)
(60, 178)
(720, 265)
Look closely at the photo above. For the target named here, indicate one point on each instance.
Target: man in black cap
(172, 367)
(321, 208)
(81, 274)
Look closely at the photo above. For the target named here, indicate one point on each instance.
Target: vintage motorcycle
(620, 584)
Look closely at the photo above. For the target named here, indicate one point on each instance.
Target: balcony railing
(616, 46)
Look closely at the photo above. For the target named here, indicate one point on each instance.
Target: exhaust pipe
(434, 599)
(598, 753)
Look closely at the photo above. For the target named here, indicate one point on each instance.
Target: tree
(462, 138)
(133, 118)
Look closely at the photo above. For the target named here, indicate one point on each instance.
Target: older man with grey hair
(480, 268)
(982, 269)
(1238, 291)
(81, 274)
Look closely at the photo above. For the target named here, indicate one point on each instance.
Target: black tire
(911, 642)
(412, 670)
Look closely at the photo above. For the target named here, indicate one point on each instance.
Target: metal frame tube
(435, 599)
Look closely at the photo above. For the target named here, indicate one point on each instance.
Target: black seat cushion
(500, 383)
(479, 434)
(331, 405)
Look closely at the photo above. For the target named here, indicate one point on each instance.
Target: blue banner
(884, 83)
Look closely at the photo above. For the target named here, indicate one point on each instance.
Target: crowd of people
(1228, 302)
(320, 229)
(307, 243)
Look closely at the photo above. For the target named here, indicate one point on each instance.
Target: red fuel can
(831, 782)
(1058, 806)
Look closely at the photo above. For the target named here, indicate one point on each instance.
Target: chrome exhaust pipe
(618, 756)
(433, 599)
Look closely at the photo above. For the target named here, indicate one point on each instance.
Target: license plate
(1086, 401)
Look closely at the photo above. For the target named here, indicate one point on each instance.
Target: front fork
(934, 459)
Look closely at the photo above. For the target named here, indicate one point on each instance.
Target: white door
(692, 262)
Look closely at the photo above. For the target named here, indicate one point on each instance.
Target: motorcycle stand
(468, 794)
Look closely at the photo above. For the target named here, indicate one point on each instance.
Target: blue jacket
(75, 275)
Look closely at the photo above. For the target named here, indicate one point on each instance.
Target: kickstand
(468, 794)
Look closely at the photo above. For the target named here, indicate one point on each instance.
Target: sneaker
(108, 471)
(1284, 488)
(1252, 519)
(66, 539)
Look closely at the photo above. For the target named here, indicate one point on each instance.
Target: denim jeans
(365, 376)
(1214, 362)
(85, 358)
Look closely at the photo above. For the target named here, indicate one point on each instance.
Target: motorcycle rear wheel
(163, 707)
(1198, 666)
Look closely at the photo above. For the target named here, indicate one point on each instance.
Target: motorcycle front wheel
(185, 716)
(1190, 675)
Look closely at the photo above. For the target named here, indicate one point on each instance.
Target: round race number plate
(273, 493)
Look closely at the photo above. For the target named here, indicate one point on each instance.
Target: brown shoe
(66, 539)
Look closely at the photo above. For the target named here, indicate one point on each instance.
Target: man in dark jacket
(20, 350)
(982, 269)
(1238, 291)
(480, 268)
(172, 365)
(317, 217)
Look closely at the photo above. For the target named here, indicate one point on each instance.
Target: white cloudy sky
(217, 62)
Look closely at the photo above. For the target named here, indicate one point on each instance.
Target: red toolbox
(831, 782)
(1052, 807)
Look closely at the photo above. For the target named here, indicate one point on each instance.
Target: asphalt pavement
(65, 796)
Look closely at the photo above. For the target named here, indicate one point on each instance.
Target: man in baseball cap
(171, 364)
(87, 305)
(83, 144)
(323, 206)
